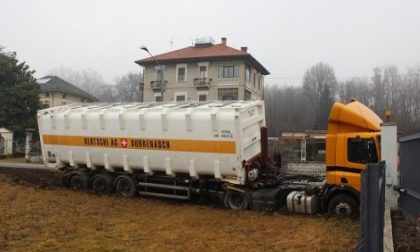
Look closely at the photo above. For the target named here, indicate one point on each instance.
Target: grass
(34, 218)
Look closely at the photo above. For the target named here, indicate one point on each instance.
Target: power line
(300, 78)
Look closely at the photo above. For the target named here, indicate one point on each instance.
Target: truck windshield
(361, 151)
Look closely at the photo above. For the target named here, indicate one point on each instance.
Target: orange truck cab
(353, 140)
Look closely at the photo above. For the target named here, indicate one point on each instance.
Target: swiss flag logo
(124, 142)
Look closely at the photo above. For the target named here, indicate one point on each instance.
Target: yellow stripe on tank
(210, 146)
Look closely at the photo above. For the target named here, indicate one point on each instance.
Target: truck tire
(102, 183)
(126, 186)
(343, 205)
(78, 181)
(236, 200)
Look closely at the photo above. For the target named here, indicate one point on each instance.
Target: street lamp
(144, 48)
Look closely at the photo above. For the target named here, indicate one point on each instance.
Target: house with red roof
(205, 71)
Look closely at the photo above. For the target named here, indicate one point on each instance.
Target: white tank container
(210, 139)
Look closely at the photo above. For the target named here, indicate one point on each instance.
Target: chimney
(244, 49)
(224, 41)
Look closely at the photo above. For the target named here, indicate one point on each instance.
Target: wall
(56, 99)
(192, 72)
(6, 145)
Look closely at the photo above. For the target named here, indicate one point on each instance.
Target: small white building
(6, 142)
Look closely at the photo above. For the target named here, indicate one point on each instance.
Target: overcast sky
(287, 37)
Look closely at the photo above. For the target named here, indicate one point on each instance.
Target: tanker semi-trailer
(167, 150)
(178, 150)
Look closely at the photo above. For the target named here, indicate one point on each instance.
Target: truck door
(360, 151)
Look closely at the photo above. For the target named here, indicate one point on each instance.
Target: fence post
(372, 208)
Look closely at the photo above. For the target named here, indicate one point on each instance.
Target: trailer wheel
(102, 183)
(78, 181)
(126, 186)
(343, 205)
(236, 200)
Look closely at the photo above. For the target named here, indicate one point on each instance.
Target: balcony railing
(158, 85)
(202, 82)
(228, 81)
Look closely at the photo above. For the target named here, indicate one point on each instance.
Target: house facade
(55, 91)
(205, 71)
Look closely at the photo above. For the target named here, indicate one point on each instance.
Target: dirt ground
(406, 233)
(37, 214)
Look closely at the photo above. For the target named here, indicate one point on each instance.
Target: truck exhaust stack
(264, 145)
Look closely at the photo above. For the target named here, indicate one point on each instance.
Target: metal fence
(372, 206)
(409, 152)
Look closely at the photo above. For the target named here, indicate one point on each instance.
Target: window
(181, 72)
(248, 74)
(160, 70)
(247, 95)
(361, 151)
(158, 98)
(228, 71)
(47, 94)
(226, 94)
(159, 74)
(202, 97)
(259, 82)
(203, 71)
(255, 79)
(180, 96)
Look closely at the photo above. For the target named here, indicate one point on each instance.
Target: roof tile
(55, 84)
(204, 52)
(218, 50)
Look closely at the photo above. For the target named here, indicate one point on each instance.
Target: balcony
(228, 81)
(202, 82)
(158, 85)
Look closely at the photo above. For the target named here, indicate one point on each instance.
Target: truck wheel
(102, 183)
(126, 186)
(78, 181)
(236, 200)
(343, 205)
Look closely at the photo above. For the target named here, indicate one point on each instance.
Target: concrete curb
(388, 239)
(26, 166)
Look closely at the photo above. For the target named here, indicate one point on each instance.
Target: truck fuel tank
(300, 202)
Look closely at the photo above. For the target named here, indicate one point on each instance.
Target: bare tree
(357, 88)
(107, 93)
(287, 109)
(129, 87)
(298, 108)
(320, 85)
(87, 79)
